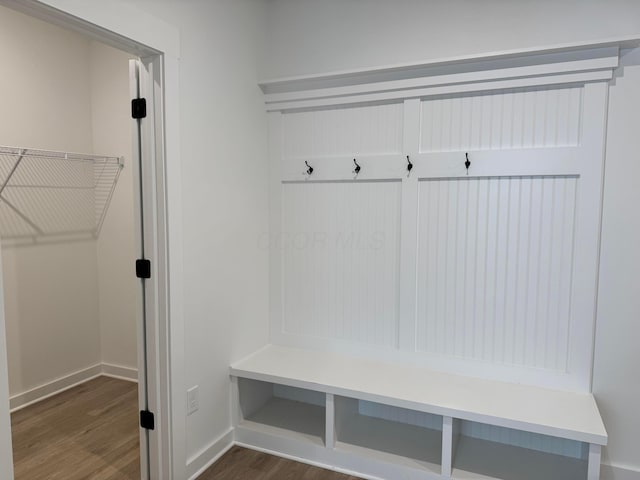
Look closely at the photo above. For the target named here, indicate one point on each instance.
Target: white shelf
(288, 418)
(484, 460)
(570, 415)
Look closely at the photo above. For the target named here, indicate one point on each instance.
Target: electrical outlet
(193, 403)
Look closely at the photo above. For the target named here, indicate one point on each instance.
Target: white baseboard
(24, 399)
(120, 372)
(202, 460)
(306, 461)
(59, 385)
(612, 472)
(215, 451)
(608, 472)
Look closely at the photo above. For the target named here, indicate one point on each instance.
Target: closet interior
(67, 229)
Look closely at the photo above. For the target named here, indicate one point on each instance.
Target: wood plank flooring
(87, 432)
(243, 464)
(90, 432)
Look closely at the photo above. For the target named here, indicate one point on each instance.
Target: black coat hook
(409, 164)
(467, 164)
(357, 169)
(309, 168)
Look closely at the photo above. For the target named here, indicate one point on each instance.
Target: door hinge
(139, 108)
(147, 420)
(143, 268)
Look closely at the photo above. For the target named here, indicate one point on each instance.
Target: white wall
(117, 283)
(46, 99)
(224, 168)
(51, 292)
(306, 37)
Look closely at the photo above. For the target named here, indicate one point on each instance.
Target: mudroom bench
(381, 420)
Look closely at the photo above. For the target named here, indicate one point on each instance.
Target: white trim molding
(66, 382)
(54, 387)
(564, 64)
(198, 463)
(613, 472)
(120, 372)
(215, 452)
(306, 461)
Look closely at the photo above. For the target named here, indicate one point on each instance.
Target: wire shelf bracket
(50, 196)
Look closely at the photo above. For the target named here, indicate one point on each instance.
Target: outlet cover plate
(193, 402)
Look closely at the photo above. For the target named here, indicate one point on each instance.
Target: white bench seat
(566, 415)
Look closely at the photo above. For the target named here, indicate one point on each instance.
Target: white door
(6, 455)
(145, 96)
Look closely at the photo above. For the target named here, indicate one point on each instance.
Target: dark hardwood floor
(90, 432)
(243, 464)
(87, 432)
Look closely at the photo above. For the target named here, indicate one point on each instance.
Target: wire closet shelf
(48, 196)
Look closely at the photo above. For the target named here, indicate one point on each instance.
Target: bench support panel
(450, 437)
(593, 469)
(330, 420)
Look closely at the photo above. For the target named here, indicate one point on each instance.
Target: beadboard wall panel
(507, 119)
(299, 395)
(340, 260)
(401, 415)
(495, 257)
(497, 265)
(352, 131)
(519, 438)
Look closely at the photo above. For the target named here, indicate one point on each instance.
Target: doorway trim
(117, 23)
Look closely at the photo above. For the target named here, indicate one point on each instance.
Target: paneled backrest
(368, 130)
(457, 231)
(494, 269)
(523, 118)
(340, 264)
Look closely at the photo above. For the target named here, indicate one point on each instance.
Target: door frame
(118, 24)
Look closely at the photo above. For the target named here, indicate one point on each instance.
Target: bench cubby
(392, 441)
(291, 412)
(334, 410)
(524, 458)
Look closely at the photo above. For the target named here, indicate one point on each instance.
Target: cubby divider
(330, 430)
